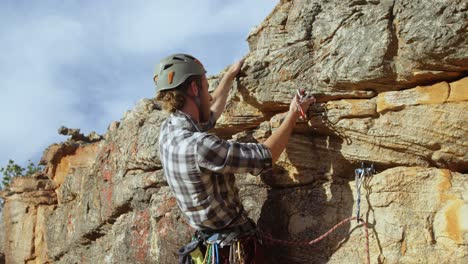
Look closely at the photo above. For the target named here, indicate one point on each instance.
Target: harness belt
(225, 237)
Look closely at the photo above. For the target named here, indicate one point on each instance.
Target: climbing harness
(212, 255)
(212, 242)
(360, 174)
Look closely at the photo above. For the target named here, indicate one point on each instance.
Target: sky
(82, 64)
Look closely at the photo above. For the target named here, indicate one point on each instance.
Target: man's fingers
(235, 68)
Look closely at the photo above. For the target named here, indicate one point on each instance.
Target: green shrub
(12, 170)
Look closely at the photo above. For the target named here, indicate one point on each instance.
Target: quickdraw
(236, 253)
(215, 242)
(302, 94)
(360, 174)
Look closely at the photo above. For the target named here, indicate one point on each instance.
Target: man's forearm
(220, 95)
(278, 141)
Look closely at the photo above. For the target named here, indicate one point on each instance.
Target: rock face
(29, 201)
(2, 241)
(390, 79)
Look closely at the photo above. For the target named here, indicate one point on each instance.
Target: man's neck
(193, 113)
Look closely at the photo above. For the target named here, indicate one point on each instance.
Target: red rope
(367, 241)
(267, 237)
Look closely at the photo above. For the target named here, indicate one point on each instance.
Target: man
(199, 166)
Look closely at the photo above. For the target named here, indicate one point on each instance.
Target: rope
(367, 240)
(267, 237)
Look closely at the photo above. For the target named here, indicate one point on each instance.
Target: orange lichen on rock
(83, 157)
(166, 206)
(140, 235)
(404, 247)
(444, 185)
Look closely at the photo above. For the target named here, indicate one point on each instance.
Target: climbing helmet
(175, 69)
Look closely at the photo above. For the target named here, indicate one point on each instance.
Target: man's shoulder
(172, 123)
(176, 127)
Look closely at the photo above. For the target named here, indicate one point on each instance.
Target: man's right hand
(278, 141)
(296, 105)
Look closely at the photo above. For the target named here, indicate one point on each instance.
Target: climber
(199, 166)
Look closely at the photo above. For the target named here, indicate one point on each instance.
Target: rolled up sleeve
(222, 156)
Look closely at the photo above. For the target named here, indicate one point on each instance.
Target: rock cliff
(390, 79)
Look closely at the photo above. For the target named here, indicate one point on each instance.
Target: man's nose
(211, 98)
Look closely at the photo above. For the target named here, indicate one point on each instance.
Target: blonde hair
(173, 99)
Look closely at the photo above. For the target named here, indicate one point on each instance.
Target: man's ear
(194, 88)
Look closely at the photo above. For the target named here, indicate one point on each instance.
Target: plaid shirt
(199, 169)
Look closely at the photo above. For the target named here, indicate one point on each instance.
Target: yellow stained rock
(455, 221)
(396, 100)
(458, 90)
(435, 94)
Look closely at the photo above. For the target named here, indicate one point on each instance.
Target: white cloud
(144, 26)
(84, 63)
(32, 102)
